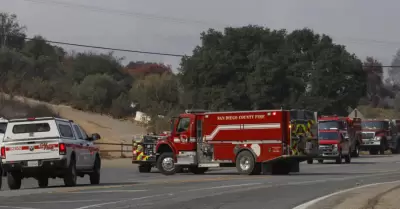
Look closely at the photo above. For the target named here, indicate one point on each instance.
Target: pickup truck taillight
(62, 149)
(3, 152)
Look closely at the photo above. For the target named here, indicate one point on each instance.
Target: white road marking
(314, 201)
(222, 187)
(107, 191)
(171, 194)
(13, 207)
(120, 201)
(64, 201)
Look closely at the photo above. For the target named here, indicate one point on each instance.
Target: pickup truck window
(31, 128)
(66, 131)
(78, 131)
(183, 125)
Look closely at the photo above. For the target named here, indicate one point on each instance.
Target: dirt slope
(111, 130)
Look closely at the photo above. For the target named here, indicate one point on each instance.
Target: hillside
(111, 130)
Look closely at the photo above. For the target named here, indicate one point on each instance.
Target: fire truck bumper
(370, 144)
(149, 160)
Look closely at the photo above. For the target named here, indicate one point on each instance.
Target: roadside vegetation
(242, 68)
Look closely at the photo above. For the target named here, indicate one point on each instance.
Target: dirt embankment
(111, 130)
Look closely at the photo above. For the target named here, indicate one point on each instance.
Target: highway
(123, 187)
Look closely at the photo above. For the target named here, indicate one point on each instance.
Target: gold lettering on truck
(241, 117)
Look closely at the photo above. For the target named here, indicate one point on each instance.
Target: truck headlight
(377, 138)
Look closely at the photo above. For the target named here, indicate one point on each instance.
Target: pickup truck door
(90, 146)
(69, 137)
(83, 146)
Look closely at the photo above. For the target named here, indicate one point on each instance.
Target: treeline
(243, 68)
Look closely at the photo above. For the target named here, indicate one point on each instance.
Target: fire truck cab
(379, 135)
(348, 127)
(254, 142)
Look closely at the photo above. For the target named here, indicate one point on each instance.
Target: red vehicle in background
(255, 142)
(334, 145)
(349, 127)
(379, 135)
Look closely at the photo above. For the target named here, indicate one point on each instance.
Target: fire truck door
(183, 129)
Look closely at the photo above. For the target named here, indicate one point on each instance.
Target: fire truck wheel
(382, 149)
(245, 163)
(339, 159)
(144, 168)
(347, 158)
(197, 170)
(166, 164)
(356, 151)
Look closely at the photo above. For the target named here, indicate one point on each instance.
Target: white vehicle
(48, 147)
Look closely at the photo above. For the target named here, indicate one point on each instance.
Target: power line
(146, 52)
(181, 20)
(109, 48)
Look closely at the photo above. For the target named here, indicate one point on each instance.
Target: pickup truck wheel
(166, 164)
(245, 163)
(70, 176)
(14, 180)
(197, 170)
(95, 175)
(43, 182)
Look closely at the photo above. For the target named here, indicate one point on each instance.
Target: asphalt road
(124, 188)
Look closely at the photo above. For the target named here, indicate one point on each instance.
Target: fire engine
(255, 142)
(379, 135)
(349, 127)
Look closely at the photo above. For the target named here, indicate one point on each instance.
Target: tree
(96, 92)
(376, 90)
(12, 34)
(257, 68)
(156, 94)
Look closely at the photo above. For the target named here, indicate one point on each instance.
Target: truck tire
(245, 163)
(396, 149)
(382, 149)
(356, 151)
(339, 159)
(95, 175)
(43, 182)
(166, 164)
(320, 161)
(70, 176)
(197, 170)
(347, 158)
(14, 180)
(144, 168)
(280, 169)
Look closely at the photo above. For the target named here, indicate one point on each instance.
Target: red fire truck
(349, 127)
(379, 135)
(255, 142)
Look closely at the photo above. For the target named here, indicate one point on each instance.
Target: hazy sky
(366, 27)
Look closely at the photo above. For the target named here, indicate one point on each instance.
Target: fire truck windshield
(328, 135)
(329, 125)
(372, 124)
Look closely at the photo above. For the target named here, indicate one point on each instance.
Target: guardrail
(119, 147)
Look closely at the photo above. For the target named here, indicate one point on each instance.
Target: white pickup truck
(48, 147)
